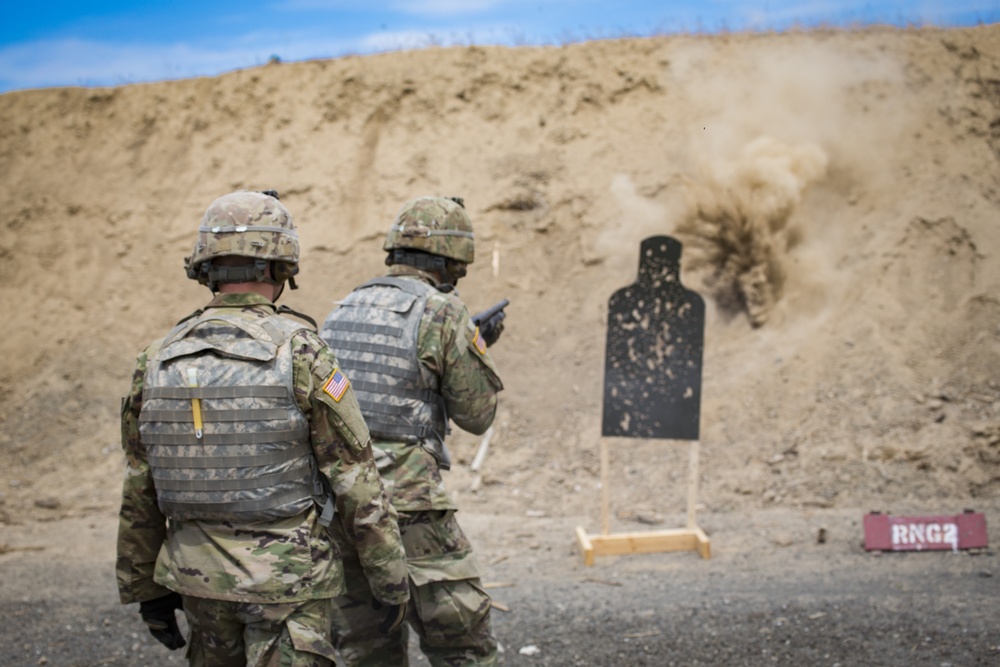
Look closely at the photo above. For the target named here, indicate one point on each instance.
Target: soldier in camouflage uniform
(416, 360)
(245, 450)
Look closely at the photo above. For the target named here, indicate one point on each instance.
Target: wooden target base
(618, 544)
(691, 538)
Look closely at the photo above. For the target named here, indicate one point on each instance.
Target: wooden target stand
(652, 390)
(690, 538)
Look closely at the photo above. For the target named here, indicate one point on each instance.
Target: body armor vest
(225, 439)
(374, 335)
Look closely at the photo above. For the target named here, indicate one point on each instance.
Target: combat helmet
(245, 224)
(436, 225)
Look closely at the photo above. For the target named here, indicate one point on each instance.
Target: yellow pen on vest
(195, 403)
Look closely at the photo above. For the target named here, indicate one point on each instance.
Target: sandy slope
(837, 194)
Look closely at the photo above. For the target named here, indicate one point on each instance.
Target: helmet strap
(448, 271)
(257, 272)
(424, 261)
(250, 273)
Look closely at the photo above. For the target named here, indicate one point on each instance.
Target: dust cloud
(761, 130)
(830, 96)
(638, 217)
(739, 218)
(761, 146)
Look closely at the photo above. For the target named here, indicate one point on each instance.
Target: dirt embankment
(837, 194)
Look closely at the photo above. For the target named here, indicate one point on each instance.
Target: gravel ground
(770, 595)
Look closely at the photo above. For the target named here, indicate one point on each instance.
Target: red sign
(925, 533)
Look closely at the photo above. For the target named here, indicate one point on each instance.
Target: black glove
(394, 617)
(159, 615)
(491, 329)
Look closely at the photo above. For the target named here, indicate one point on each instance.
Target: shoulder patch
(479, 342)
(336, 385)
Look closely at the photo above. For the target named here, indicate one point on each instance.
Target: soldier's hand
(394, 617)
(159, 616)
(491, 329)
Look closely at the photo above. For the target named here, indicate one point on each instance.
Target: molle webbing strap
(175, 416)
(383, 422)
(184, 393)
(210, 439)
(414, 393)
(237, 506)
(374, 334)
(253, 327)
(382, 410)
(219, 461)
(253, 461)
(355, 366)
(365, 328)
(165, 483)
(372, 348)
(350, 350)
(408, 433)
(184, 327)
(409, 286)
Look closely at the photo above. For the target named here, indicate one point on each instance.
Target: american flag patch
(479, 342)
(336, 385)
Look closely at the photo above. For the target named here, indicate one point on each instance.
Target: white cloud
(427, 8)
(395, 40)
(783, 12)
(419, 39)
(444, 7)
(91, 63)
(74, 62)
(61, 62)
(84, 62)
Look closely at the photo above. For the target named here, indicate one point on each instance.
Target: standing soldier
(243, 441)
(416, 360)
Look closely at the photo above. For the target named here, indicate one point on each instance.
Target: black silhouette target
(653, 359)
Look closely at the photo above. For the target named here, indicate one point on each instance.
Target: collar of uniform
(405, 271)
(239, 299)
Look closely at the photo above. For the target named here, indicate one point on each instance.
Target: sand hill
(837, 194)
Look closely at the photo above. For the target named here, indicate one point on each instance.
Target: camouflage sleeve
(141, 525)
(343, 450)
(450, 345)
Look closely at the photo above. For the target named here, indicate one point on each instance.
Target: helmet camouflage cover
(244, 224)
(438, 225)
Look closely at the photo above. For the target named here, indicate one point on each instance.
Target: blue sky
(112, 43)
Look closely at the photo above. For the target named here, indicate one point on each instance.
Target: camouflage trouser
(238, 634)
(448, 607)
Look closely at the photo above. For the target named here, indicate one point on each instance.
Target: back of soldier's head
(436, 225)
(245, 236)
